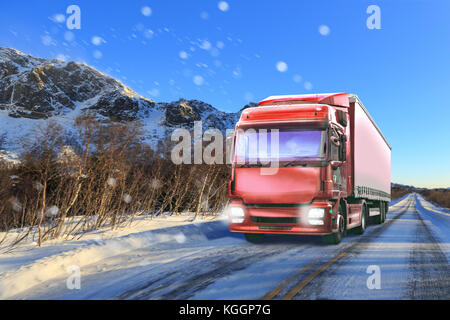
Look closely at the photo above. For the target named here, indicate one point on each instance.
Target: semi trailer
(312, 164)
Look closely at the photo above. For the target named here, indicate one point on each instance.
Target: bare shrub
(101, 175)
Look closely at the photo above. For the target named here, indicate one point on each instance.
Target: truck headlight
(315, 216)
(316, 213)
(237, 214)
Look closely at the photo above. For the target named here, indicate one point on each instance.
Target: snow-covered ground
(175, 258)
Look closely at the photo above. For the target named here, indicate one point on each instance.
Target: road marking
(277, 290)
(303, 283)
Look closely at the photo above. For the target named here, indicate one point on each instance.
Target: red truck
(331, 174)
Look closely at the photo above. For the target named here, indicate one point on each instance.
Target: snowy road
(404, 258)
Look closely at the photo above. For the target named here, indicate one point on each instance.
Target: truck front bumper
(314, 219)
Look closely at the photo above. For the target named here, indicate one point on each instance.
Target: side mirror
(342, 117)
(343, 148)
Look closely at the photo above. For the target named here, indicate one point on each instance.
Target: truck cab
(292, 170)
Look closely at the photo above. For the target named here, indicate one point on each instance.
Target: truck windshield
(256, 145)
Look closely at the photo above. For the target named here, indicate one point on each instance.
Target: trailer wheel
(254, 237)
(335, 237)
(364, 218)
(379, 219)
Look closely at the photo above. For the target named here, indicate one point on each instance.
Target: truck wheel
(362, 227)
(382, 205)
(335, 237)
(379, 219)
(254, 237)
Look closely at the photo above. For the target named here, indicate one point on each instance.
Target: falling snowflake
(97, 54)
(297, 78)
(324, 30)
(308, 85)
(215, 52)
(205, 45)
(237, 73)
(282, 66)
(220, 44)
(223, 6)
(148, 33)
(112, 182)
(183, 55)
(96, 40)
(198, 80)
(59, 18)
(155, 184)
(52, 211)
(204, 15)
(127, 198)
(180, 238)
(146, 11)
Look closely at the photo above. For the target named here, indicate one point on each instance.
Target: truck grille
(274, 220)
(277, 228)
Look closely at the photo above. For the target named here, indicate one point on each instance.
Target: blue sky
(195, 50)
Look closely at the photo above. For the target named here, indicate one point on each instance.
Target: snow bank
(29, 266)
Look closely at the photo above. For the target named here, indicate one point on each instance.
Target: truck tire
(364, 220)
(254, 237)
(336, 237)
(379, 219)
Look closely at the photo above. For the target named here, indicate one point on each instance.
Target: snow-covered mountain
(34, 89)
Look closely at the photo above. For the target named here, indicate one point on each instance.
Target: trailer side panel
(372, 158)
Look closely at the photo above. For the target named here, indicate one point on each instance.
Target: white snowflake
(220, 44)
(52, 211)
(205, 45)
(204, 15)
(198, 80)
(155, 184)
(96, 40)
(59, 18)
(324, 30)
(308, 85)
(148, 33)
(97, 54)
(146, 11)
(127, 198)
(112, 182)
(180, 238)
(297, 78)
(223, 6)
(282, 66)
(183, 55)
